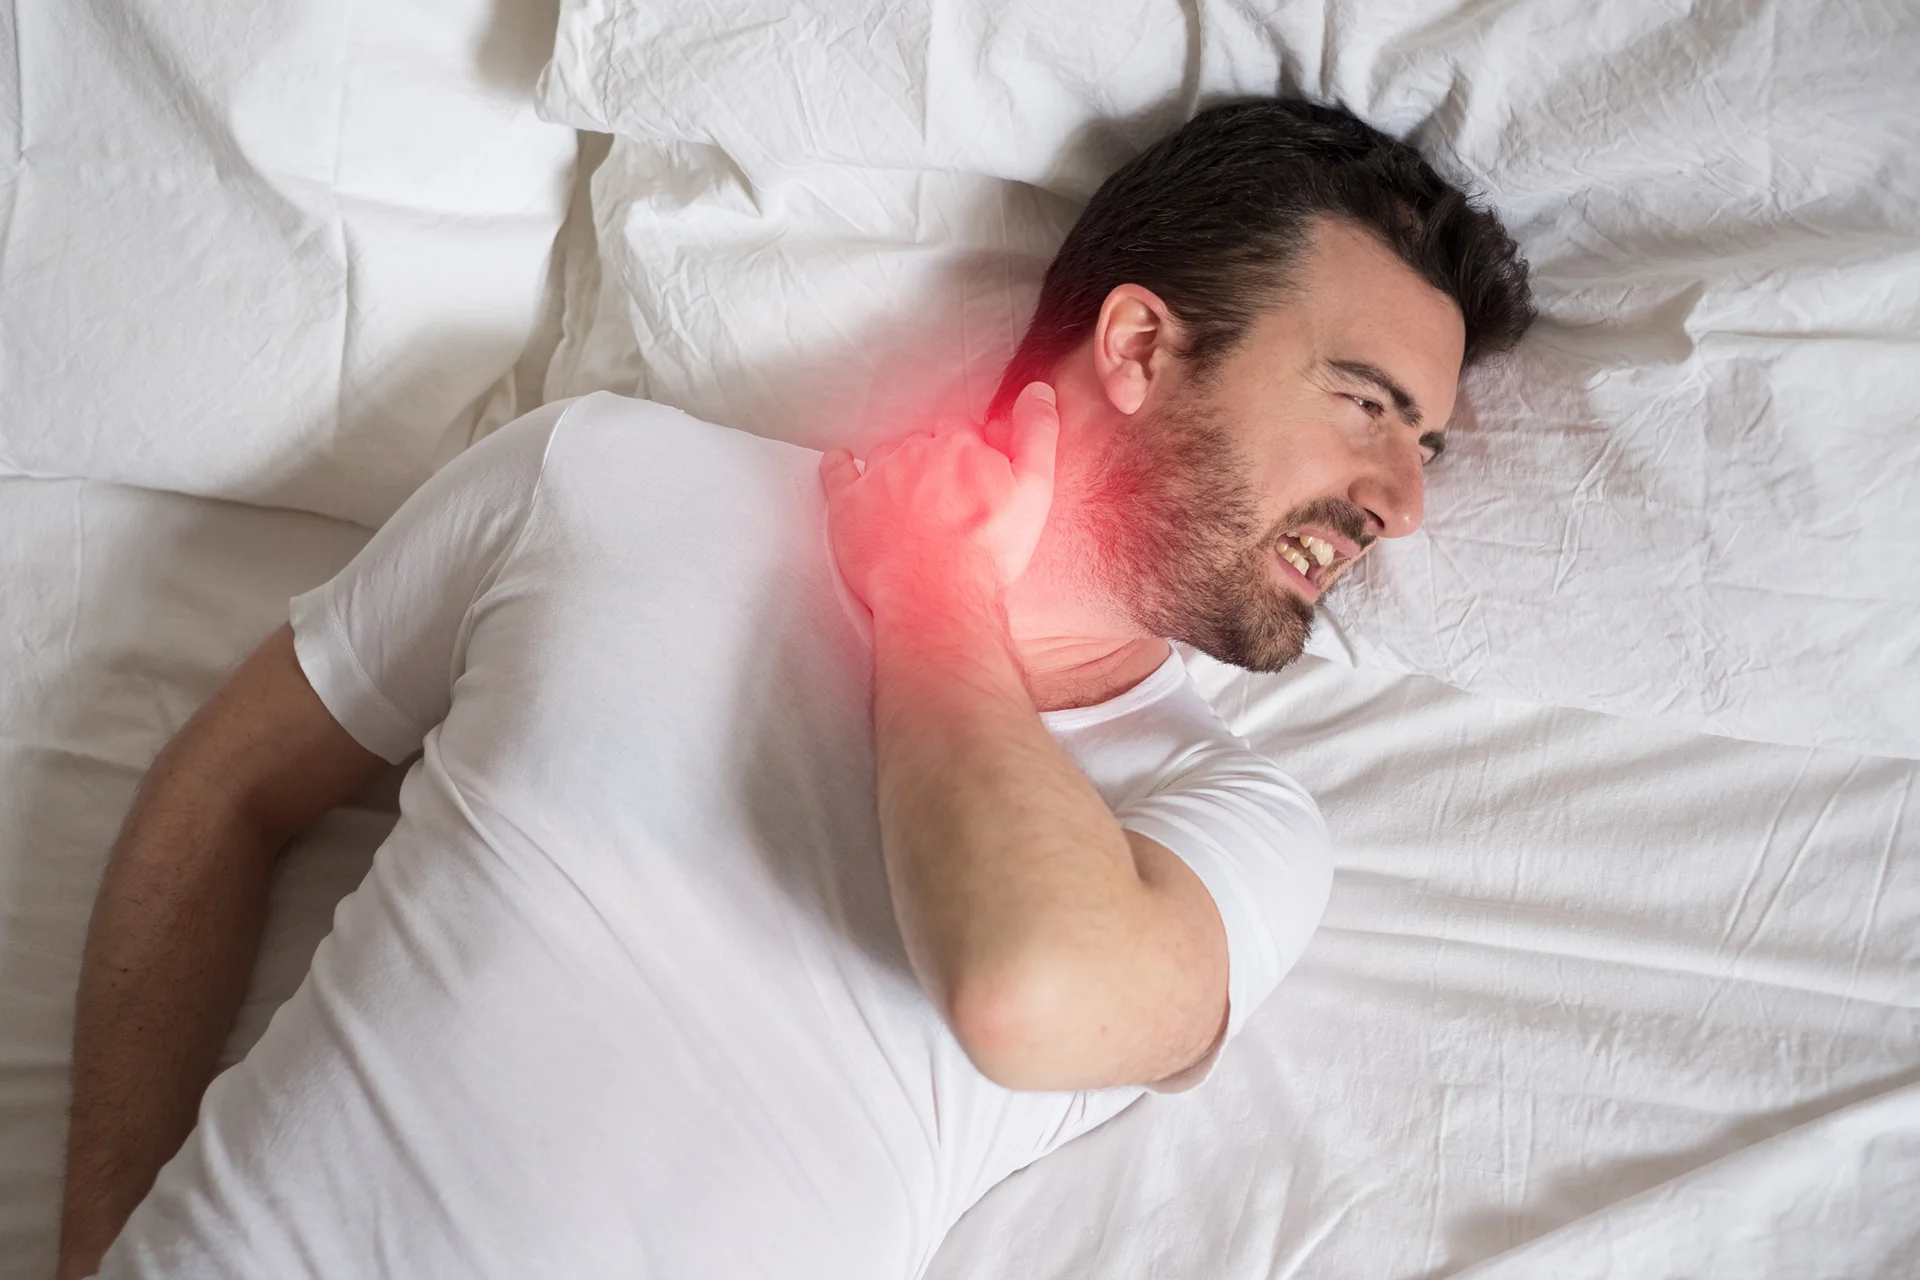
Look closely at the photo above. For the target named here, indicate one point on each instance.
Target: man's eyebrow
(1373, 373)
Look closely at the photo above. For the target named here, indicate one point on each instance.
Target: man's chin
(1265, 637)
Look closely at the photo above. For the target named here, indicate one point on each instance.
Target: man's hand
(945, 503)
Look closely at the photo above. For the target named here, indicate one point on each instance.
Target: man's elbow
(1022, 1027)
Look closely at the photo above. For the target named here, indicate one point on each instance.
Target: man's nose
(1392, 491)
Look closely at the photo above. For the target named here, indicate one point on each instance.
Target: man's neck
(1063, 673)
(1076, 644)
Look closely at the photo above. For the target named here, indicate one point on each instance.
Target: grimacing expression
(1233, 501)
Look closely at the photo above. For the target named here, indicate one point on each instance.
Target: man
(790, 856)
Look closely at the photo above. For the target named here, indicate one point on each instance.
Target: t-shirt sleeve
(1258, 843)
(381, 641)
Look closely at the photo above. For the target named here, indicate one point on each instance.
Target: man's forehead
(1357, 288)
(1363, 315)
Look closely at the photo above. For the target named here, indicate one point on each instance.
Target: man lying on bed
(749, 918)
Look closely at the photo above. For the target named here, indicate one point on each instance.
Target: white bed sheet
(1592, 998)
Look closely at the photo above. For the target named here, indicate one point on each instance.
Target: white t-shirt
(622, 995)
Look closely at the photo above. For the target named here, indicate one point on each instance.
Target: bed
(1621, 972)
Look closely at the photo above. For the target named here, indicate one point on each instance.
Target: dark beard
(1180, 546)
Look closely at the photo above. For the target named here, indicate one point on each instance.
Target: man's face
(1233, 502)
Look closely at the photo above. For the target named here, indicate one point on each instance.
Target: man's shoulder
(604, 425)
(617, 467)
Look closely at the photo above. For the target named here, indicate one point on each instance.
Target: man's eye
(1373, 407)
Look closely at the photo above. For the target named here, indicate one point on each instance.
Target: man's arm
(177, 923)
(1064, 952)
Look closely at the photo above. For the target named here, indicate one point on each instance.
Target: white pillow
(828, 308)
(1690, 495)
(279, 251)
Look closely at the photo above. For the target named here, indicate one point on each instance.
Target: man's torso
(623, 992)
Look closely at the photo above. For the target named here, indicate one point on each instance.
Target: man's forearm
(1011, 880)
(169, 951)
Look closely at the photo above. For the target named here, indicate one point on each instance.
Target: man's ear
(1135, 343)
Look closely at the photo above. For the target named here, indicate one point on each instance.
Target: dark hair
(1212, 217)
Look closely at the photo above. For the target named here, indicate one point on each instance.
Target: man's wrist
(86, 1232)
(955, 585)
(944, 614)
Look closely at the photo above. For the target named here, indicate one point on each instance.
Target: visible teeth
(1293, 557)
(1318, 549)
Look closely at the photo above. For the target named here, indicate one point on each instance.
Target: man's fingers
(949, 422)
(886, 448)
(837, 471)
(879, 452)
(1035, 436)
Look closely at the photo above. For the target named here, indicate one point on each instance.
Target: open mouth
(1314, 556)
(1305, 552)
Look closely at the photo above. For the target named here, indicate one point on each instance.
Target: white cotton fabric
(284, 252)
(1684, 499)
(622, 993)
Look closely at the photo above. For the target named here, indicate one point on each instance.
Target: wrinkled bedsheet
(1593, 998)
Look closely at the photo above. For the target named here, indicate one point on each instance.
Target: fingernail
(1045, 392)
